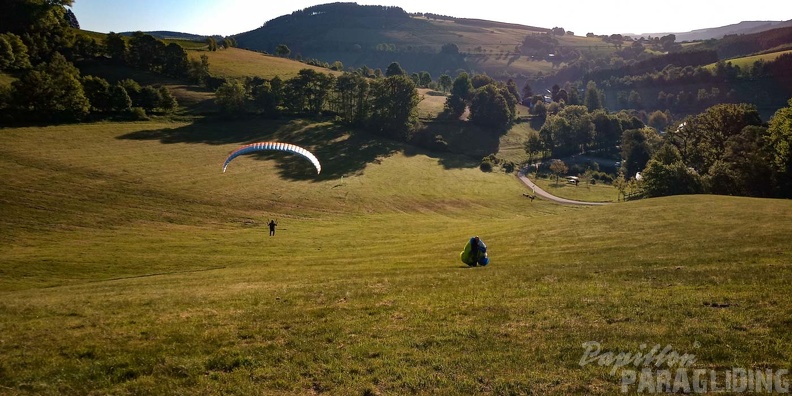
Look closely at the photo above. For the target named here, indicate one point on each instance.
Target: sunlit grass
(746, 62)
(241, 63)
(583, 191)
(132, 264)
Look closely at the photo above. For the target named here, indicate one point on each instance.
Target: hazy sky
(227, 17)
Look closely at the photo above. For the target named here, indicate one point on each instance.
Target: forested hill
(316, 27)
(745, 44)
(375, 36)
(170, 35)
(744, 27)
(649, 74)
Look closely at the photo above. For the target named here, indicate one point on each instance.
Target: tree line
(727, 149)
(385, 104)
(683, 80)
(724, 149)
(40, 49)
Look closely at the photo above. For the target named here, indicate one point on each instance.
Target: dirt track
(550, 197)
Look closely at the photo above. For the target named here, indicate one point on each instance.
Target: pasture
(584, 191)
(746, 62)
(130, 264)
(236, 63)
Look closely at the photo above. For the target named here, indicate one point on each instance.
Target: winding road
(550, 197)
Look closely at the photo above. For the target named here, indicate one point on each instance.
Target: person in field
(272, 224)
(475, 253)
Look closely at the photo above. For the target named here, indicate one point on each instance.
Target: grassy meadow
(236, 62)
(584, 191)
(131, 264)
(746, 62)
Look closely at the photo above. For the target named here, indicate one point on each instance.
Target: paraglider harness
(475, 253)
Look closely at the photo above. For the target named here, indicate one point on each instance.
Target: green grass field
(240, 63)
(584, 191)
(130, 264)
(747, 62)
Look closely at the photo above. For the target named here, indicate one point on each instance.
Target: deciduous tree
(42, 25)
(97, 90)
(167, 101)
(592, 97)
(489, 108)
(119, 98)
(175, 62)
(394, 106)
(666, 174)
(116, 47)
(527, 93)
(635, 151)
(52, 91)
(460, 94)
(445, 82)
(231, 97)
(533, 146)
(199, 69)
(282, 50)
(780, 146)
(352, 97)
(558, 168)
(701, 139)
(394, 69)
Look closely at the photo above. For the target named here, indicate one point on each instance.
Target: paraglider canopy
(277, 146)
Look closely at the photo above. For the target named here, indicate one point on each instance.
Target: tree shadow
(340, 150)
(466, 144)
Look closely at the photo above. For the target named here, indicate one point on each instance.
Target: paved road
(550, 197)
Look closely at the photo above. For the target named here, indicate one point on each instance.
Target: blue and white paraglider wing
(277, 146)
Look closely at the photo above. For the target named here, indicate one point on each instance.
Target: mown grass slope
(746, 62)
(241, 63)
(131, 264)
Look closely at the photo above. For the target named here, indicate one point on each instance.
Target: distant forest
(644, 74)
(682, 80)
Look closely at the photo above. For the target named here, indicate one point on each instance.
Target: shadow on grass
(339, 151)
(466, 143)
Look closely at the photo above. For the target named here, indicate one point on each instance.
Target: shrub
(426, 140)
(487, 163)
(137, 114)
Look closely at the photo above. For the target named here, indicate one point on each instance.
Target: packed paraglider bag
(475, 253)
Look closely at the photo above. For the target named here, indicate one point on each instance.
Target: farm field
(747, 62)
(240, 63)
(599, 192)
(131, 264)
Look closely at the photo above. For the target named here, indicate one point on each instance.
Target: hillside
(376, 36)
(745, 27)
(226, 63)
(169, 35)
(241, 63)
(132, 265)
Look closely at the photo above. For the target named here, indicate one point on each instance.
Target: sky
(229, 17)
